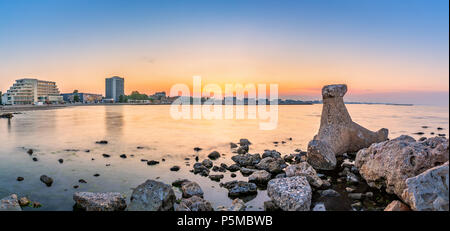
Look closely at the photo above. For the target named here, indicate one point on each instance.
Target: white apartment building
(33, 91)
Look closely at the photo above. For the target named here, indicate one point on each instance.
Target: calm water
(51, 133)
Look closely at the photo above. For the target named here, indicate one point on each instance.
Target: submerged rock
(175, 168)
(102, 142)
(214, 155)
(10, 203)
(152, 196)
(388, 164)
(109, 201)
(23, 201)
(194, 203)
(152, 162)
(271, 165)
(428, 191)
(46, 180)
(338, 134)
(290, 193)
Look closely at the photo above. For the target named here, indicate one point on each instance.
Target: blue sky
(380, 48)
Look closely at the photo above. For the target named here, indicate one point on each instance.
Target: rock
(388, 164)
(194, 203)
(289, 158)
(233, 145)
(368, 195)
(152, 162)
(357, 205)
(46, 180)
(20, 178)
(175, 168)
(246, 159)
(139, 147)
(36, 205)
(397, 206)
(233, 175)
(217, 177)
(270, 206)
(247, 171)
(439, 128)
(244, 142)
(240, 188)
(349, 189)
(102, 142)
(237, 205)
(35, 159)
(260, 177)
(30, 151)
(6, 115)
(422, 139)
(330, 193)
(190, 189)
(306, 170)
(23, 201)
(108, 201)
(319, 207)
(207, 163)
(290, 193)
(82, 181)
(355, 196)
(428, 191)
(96, 175)
(201, 169)
(347, 163)
(281, 175)
(271, 153)
(243, 149)
(352, 178)
(271, 165)
(76, 186)
(61, 161)
(234, 168)
(214, 155)
(152, 196)
(10, 203)
(179, 182)
(338, 134)
(123, 156)
(197, 149)
(106, 155)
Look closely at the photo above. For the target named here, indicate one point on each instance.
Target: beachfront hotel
(114, 88)
(33, 91)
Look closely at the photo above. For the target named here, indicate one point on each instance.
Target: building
(114, 88)
(82, 97)
(33, 91)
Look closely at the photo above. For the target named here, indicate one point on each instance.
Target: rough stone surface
(260, 177)
(240, 188)
(46, 180)
(388, 164)
(214, 155)
(338, 134)
(10, 203)
(428, 191)
(190, 189)
(397, 206)
(237, 205)
(271, 153)
(290, 193)
(194, 203)
(271, 165)
(306, 170)
(152, 196)
(109, 201)
(207, 163)
(247, 171)
(246, 159)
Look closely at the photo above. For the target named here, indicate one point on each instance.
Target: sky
(385, 51)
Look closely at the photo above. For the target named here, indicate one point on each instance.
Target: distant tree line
(135, 95)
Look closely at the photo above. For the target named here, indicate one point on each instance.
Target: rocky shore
(346, 167)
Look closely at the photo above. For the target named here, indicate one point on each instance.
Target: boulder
(216, 177)
(247, 171)
(152, 196)
(10, 203)
(243, 142)
(201, 169)
(194, 203)
(388, 164)
(271, 153)
(271, 165)
(290, 193)
(109, 201)
(190, 189)
(338, 134)
(46, 180)
(428, 191)
(397, 206)
(306, 170)
(260, 177)
(242, 149)
(246, 159)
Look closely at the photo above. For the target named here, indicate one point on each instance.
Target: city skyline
(395, 52)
